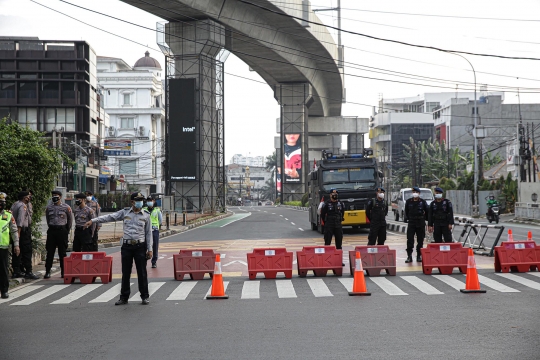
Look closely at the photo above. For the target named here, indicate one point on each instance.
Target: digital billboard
(182, 130)
(292, 158)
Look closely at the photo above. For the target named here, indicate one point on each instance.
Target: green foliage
(293, 203)
(27, 162)
(447, 184)
(510, 192)
(271, 162)
(268, 190)
(305, 199)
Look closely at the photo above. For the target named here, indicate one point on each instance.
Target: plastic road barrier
(375, 258)
(87, 266)
(518, 256)
(195, 263)
(270, 261)
(445, 257)
(320, 259)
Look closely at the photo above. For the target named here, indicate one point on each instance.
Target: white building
(256, 161)
(135, 140)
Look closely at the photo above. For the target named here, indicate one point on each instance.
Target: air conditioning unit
(141, 130)
(112, 131)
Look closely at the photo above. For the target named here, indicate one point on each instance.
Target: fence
(461, 200)
(528, 211)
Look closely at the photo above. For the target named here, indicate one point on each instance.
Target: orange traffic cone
(218, 289)
(529, 236)
(359, 283)
(510, 236)
(472, 284)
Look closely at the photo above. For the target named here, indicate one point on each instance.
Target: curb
(525, 222)
(396, 227)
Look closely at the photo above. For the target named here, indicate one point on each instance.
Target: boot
(419, 257)
(47, 274)
(409, 259)
(31, 276)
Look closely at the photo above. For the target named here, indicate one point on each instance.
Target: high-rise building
(257, 161)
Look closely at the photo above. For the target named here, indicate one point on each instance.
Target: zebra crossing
(296, 288)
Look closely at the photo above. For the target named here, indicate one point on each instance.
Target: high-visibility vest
(154, 216)
(5, 219)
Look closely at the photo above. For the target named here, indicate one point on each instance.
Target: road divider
(375, 258)
(87, 266)
(319, 259)
(445, 257)
(270, 261)
(195, 263)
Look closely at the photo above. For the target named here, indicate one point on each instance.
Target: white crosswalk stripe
(152, 288)
(495, 285)
(41, 295)
(285, 289)
(421, 285)
(182, 291)
(109, 294)
(25, 290)
(451, 281)
(534, 273)
(347, 282)
(319, 288)
(77, 294)
(521, 280)
(387, 286)
(250, 290)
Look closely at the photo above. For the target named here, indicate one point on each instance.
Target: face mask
(138, 204)
(333, 196)
(55, 199)
(415, 195)
(380, 195)
(150, 203)
(78, 202)
(89, 198)
(438, 196)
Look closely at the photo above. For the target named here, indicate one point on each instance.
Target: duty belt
(132, 242)
(57, 227)
(79, 227)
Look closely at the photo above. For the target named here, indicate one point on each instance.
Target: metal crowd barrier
(477, 244)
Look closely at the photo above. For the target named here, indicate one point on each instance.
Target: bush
(293, 203)
(305, 199)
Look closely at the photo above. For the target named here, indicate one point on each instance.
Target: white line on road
(152, 288)
(79, 293)
(243, 217)
(285, 289)
(250, 290)
(387, 286)
(293, 223)
(273, 213)
(347, 282)
(319, 288)
(235, 261)
(286, 219)
(182, 291)
(15, 294)
(495, 285)
(522, 281)
(281, 215)
(451, 281)
(421, 285)
(109, 294)
(534, 273)
(41, 295)
(225, 284)
(300, 229)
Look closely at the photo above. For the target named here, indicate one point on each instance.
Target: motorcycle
(493, 213)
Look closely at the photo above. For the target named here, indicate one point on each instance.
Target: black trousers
(56, 238)
(4, 271)
(129, 254)
(82, 240)
(377, 233)
(442, 230)
(418, 229)
(95, 240)
(25, 257)
(336, 231)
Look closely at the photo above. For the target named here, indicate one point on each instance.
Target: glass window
(28, 76)
(49, 76)
(128, 167)
(28, 117)
(127, 99)
(336, 175)
(7, 90)
(127, 123)
(50, 120)
(27, 90)
(68, 76)
(362, 174)
(49, 90)
(70, 119)
(8, 76)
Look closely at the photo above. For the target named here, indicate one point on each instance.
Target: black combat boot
(418, 257)
(47, 274)
(409, 259)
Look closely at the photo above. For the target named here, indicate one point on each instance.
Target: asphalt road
(408, 316)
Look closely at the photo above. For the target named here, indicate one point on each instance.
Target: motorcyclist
(490, 203)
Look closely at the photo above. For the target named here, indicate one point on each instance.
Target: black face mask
(334, 196)
(55, 199)
(78, 202)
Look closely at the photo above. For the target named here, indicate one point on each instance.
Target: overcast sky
(250, 108)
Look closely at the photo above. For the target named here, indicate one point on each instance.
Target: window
(473, 110)
(28, 116)
(49, 90)
(127, 99)
(27, 90)
(70, 119)
(59, 118)
(127, 123)
(50, 119)
(7, 90)
(128, 167)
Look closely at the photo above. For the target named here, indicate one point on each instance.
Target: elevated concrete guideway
(280, 49)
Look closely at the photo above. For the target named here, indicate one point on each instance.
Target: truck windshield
(424, 194)
(350, 179)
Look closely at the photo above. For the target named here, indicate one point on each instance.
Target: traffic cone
(529, 236)
(510, 236)
(359, 283)
(218, 289)
(472, 285)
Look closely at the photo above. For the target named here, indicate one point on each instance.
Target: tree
(27, 162)
(271, 162)
(268, 191)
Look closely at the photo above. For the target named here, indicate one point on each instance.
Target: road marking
(18, 293)
(79, 293)
(534, 273)
(293, 223)
(285, 289)
(286, 219)
(182, 291)
(495, 285)
(265, 211)
(41, 295)
(319, 288)
(387, 286)
(235, 261)
(421, 285)
(235, 220)
(250, 290)
(451, 281)
(109, 294)
(225, 284)
(300, 229)
(522, 281)
(273, 213)
(281, 215)
(347, 282)
(152, 288)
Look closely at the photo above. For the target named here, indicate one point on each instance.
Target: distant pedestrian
(416, 211)
(92, 203)
(82, 241)
(376, 212)
(8, 233)
(22, 264)
(136, 245)
(332, 213)
(114, 205)
(441, 218)
(155, 218)
(59, 219)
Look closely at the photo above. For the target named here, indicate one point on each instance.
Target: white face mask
(438, 196)
(415, 195)
(380, 195)
(89, 198)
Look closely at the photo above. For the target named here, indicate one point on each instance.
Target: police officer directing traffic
(136, 245)
(155, 218)
(93, 204)
(332, 214)
(82, 240)
(441, 218)
(8, 231)
(59, 219)
(21, 211)
(376, 212)
(416, 210)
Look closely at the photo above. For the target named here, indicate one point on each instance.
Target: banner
(292, 158)
(117, 147)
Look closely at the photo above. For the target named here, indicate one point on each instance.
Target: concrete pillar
(355, 143)
(295, 100)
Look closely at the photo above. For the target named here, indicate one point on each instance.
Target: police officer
(22, 264)
(92, 203)
(441, 218)
(8, 231)
(416, 210)
(332, 213)
(59, 219)
(82, 240)
(136, 245)
(376, 212)
(156, 219)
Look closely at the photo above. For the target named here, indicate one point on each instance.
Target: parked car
(268, 203)
(398, 204)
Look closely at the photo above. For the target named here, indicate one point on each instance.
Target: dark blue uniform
(441, 214)
(332, 214)
(376, 212)
(415, 214)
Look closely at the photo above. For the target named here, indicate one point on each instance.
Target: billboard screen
(182, 130)
(292, 158)
(117, 147)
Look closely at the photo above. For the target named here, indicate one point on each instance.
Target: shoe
(4, 295)
(62, 276)
(154, 266)
(47, 275)
(419, 258)
(409, 259)
(121, 302)
(31, 276)
(145, 301)
(17, 275)
(342, 264)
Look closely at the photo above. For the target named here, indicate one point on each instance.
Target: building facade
(245, 182)
(257, 161)
(135, 140)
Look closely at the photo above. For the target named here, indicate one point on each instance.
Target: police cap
(416, 188)
(22, 194)
(150, 198)
(439, 190)
(80, 196)
(137, 196)
(334, 190)
(88, 192)
(381, 189)
(3, 196)
(56, 192)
